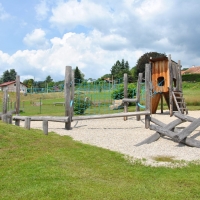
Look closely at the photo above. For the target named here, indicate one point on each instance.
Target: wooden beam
(42, 118)
(188, 141)
(111, 115)
(187, 131)
(184, 117)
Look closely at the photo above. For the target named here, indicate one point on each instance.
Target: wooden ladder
(180, 102)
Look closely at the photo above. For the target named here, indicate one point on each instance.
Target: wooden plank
(41, 118)
(188, 141)
(184, 117)
(125, 95)
(148, 98)
(187, 131)
(68, 71)
(111, 115)
(130, 100)
(17, 95)
(157, 135)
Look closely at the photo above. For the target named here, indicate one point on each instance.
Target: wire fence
(89, 99)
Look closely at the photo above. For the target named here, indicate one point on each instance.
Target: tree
(140, 66)
(119, 69)
(48, 79)
(13, 75)
(78, 76)
(9, 75)
(28, 83)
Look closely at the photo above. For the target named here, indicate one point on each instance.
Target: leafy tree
(9, 75)
(48, 79)
(119, 69)
(13, 74)
(140, 66)
(28, 83)
(78, 76)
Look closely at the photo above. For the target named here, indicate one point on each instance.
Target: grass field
(35, 166)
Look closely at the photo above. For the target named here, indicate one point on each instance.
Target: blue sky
(40, 37)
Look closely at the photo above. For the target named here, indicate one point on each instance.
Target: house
(191, 70)
(11, 87)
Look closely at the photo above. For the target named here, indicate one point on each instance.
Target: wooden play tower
(166, 82)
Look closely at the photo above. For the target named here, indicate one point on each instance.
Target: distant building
(11, 87)
(191, 70)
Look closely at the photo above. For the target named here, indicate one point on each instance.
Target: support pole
(72, 94)
(45, 127)
(5, 101)
(27, 123)
(17, 94)
(125, 94)
(171, 85)
(147, 88)
(140, 75)
(68, 76)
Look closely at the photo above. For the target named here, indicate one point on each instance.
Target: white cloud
(72, 13)
(36, 39)
(42, 10)
(3, 14)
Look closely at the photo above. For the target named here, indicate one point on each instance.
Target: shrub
(118, 93)
(81, 103)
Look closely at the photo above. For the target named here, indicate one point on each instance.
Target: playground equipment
(166, 81)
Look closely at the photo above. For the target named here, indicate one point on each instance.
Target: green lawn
(35, 166)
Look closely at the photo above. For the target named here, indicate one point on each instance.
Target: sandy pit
(118, 135)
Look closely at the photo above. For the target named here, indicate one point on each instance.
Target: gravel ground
(122, 136)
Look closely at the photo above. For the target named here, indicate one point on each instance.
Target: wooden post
(68, 71)
(4, 118)
(180, 76)
(17, 94)
(161, 102)
(72, 95)
(17, 122)
(140, 75)
(5, 101)
(27, 123)
(171, 85)
(45, 127)
(147, 88)
(125, 94)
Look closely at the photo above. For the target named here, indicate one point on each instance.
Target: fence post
(5, 101)
(125, 94)
(27, 123)
(68, 76)
(17, 94)
(147, 88)
(45, 127)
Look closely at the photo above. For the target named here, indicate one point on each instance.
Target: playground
(142, 134)
(123, 136)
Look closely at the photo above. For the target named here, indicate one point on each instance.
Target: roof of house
(192, 70)
(8, 83)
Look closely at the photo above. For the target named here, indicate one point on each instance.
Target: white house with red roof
(11, 87)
